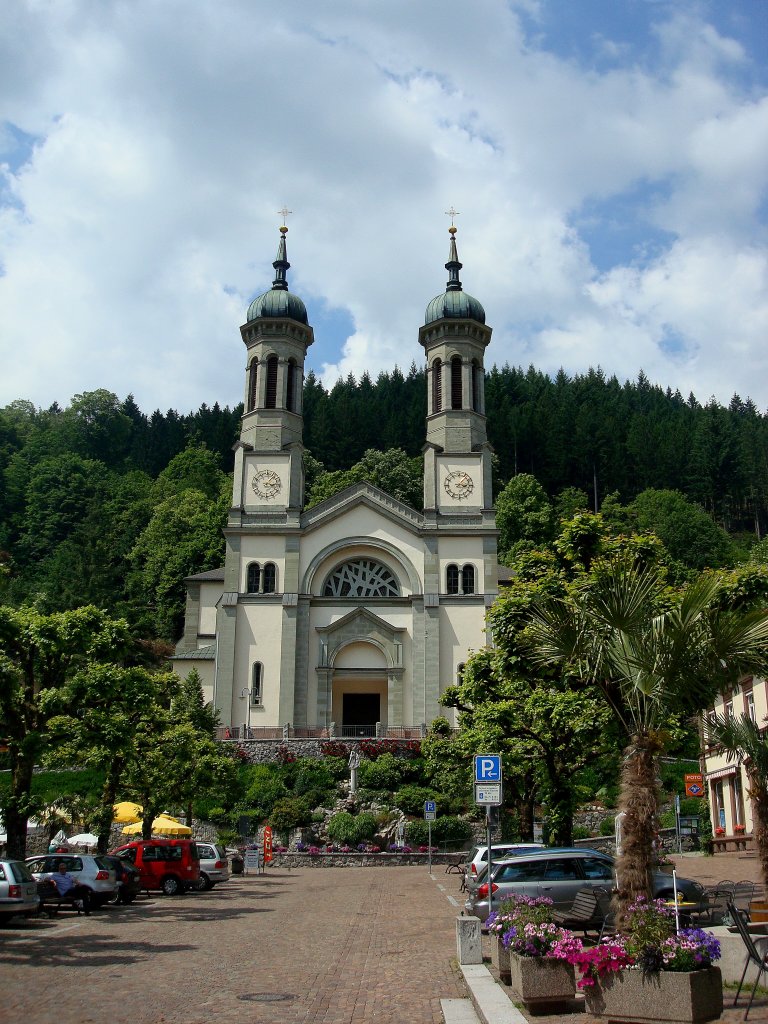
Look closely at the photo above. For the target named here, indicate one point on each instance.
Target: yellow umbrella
(126, 812)
(161, 826)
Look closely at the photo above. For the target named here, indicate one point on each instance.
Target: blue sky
(607, 158)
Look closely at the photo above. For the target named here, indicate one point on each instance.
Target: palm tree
(657, 656)
(744, 742)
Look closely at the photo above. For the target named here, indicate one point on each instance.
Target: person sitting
(69, 886)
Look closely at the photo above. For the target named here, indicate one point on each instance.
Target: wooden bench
(586, 913)
(722, 844)
(51, 901)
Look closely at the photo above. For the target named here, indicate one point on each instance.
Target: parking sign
(487, 767)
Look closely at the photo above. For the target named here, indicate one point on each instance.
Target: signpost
(488, 790)
(430, 814)
(694, 784)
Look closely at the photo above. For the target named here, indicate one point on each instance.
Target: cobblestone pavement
(737, 867)
(324, 945)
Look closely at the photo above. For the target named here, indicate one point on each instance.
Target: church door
(360, 713)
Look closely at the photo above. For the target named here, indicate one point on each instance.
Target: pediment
(362, 495)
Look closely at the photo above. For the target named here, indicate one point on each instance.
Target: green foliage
(447, 830)
(608, 827)
(579, 832)
(351, 829)
(523, 513)
(689, 534)
(287, 814)
(393, 471)
(410, 799)
(383, 773)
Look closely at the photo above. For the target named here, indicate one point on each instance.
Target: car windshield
(20, 871)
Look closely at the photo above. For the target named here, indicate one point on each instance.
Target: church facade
(352, 616)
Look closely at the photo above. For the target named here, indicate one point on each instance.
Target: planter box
(500, 959)
(536, 980)
(678, 998)
(758, 910)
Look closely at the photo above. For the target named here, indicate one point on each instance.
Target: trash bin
(237, 863)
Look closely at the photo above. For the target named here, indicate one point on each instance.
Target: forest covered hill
(101, 502)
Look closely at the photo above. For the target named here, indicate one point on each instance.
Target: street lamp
(247, 693)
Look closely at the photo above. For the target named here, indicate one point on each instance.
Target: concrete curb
(492, 1004)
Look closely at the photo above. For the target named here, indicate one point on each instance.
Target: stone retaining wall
(361, 860)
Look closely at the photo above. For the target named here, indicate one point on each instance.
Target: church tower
(261, 568)
(457, 465)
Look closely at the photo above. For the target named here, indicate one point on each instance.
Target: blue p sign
(488, 768)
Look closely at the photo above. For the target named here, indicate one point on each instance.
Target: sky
(608, 160)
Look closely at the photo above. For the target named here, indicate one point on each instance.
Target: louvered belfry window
(437, 385)
(290, 390)
(253, 373)
(271, 402)
(456, 383)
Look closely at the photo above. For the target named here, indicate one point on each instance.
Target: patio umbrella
(83, 839)
(126, 812)
(161, 826)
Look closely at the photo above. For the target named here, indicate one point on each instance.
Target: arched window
(270, 578)
(437, 385)
(271, 398)
(290, 386)
(253, 371)
(452, 579)
(456, 382)
(468, 579)
(477, 376)
(361, 577)
(253, 584)
(257, 674)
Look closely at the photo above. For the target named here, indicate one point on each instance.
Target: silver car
(87, 869)
(18, 890)
(214, 866)
(559, 874)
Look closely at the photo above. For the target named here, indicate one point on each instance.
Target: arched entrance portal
(360, 674)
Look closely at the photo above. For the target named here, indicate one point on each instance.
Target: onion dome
(454, 304)
(278, 301)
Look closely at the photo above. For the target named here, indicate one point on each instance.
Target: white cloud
(170, 134)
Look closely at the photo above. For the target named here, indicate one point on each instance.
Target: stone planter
(536, 980)
(500, 959)
(669, 996)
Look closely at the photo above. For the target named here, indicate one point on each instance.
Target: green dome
(277, 303)
(454, 305)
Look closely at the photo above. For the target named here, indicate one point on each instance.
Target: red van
(171, 865)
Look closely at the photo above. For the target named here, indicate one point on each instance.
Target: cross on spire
(453, 214)
(284, 213)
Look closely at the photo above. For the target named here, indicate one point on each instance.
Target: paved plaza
(324, 945)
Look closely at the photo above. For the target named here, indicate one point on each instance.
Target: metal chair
(743, 893)
(754, 956)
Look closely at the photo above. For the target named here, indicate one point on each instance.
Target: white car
(18, 890)
(214, 866)
(478, 856)
(87, 869)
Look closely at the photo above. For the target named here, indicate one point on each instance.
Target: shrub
(288, 814)
(410, 799)
(579, 832)
(383, 773)
(444, 830)
(350, 829)
(335, 748)
(608, 827)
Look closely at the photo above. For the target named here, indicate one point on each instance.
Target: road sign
(430, 810)
(488, 793)
(487, 767)
(694, 784)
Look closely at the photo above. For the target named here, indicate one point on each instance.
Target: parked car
(170, 865)
(478, 856)
(88, 869)
(214, 866)
(18, 890)
(559, 874)
(128, 879)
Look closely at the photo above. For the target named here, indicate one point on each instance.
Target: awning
(721, 773)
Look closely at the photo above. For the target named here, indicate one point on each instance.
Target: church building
(351, 617)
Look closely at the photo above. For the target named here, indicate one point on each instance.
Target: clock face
(266, 483)
(459, 484)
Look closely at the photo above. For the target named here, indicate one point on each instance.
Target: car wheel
(205, 883)
(171, 886)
